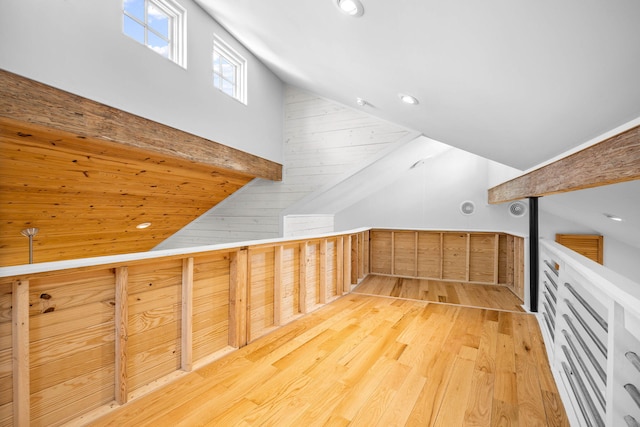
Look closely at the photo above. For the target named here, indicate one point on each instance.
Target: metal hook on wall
(30, 232)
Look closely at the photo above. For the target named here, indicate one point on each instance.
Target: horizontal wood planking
(73, 319)
(71, 341)
(210, 304)
(588, 245)
(616, 159)
(475, 257)
(29, 101)
(323, 141)
(52, 179)
(154, 301)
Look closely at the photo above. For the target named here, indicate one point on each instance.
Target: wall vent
(467, 207)
(517, 209)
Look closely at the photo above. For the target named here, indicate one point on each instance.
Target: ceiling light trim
(351, 8)
(408, 99)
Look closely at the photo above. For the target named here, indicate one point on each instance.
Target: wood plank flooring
(369, 361)
(468, 294)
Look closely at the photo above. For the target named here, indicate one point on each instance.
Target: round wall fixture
(467, 207)
(517, 209)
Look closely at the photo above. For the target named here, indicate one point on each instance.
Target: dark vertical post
(533, 254)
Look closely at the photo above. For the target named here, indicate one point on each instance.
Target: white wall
(78, 46)
(429, 196)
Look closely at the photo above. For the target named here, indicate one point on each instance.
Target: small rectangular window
(158, 24)
(229, 71)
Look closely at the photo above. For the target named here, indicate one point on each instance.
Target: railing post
(533, 254)
(238, 297)
(122, 334)
(20, 356)
(187, 315)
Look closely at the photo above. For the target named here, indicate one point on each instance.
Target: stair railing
(590, 318)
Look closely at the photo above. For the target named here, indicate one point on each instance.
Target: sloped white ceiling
(515, 82)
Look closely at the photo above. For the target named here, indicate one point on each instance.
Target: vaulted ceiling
(515, 82)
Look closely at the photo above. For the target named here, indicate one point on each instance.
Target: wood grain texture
(51, 179)
(616, 159)
(588, 245)
(32, 102)
(473, 257)
(121, 323)
(72, 343)
(366, 360)
(468, 294)
(21, 351)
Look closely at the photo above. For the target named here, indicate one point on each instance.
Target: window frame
(232, 56)
(177, 34)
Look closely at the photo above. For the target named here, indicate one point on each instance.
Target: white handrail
(600, 310)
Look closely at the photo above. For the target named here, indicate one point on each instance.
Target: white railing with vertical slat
(590, 317)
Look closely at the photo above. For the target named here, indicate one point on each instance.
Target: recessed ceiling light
(350, 7)
(143, 225)
(613, 217)
(361, 102)
(408, 99)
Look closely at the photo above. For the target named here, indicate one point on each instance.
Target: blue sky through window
(148, 24)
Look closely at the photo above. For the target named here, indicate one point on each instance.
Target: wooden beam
(614, 160)
(122, 332)
(187, 315)
(20, 356)
(33, 102)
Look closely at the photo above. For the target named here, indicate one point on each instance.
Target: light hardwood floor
(368, 360)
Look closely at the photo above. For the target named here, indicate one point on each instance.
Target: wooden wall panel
(6, 376)
(210, 304)
(71, 344)
(75, 317)
(261, 270)
(312, 283)
(290, 283)
(429, 254)
(405, 252)
(454, 256)
(482, 257)
(502, 257)
(518, 263)
(155, 311)
(476, 257)
(381, 251)
(588, 245)
(354, 259)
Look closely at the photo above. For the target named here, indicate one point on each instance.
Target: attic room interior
(339, 212)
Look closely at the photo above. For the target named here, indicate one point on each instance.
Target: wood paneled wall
(475, 257)
(77, 340)
(323, 141)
